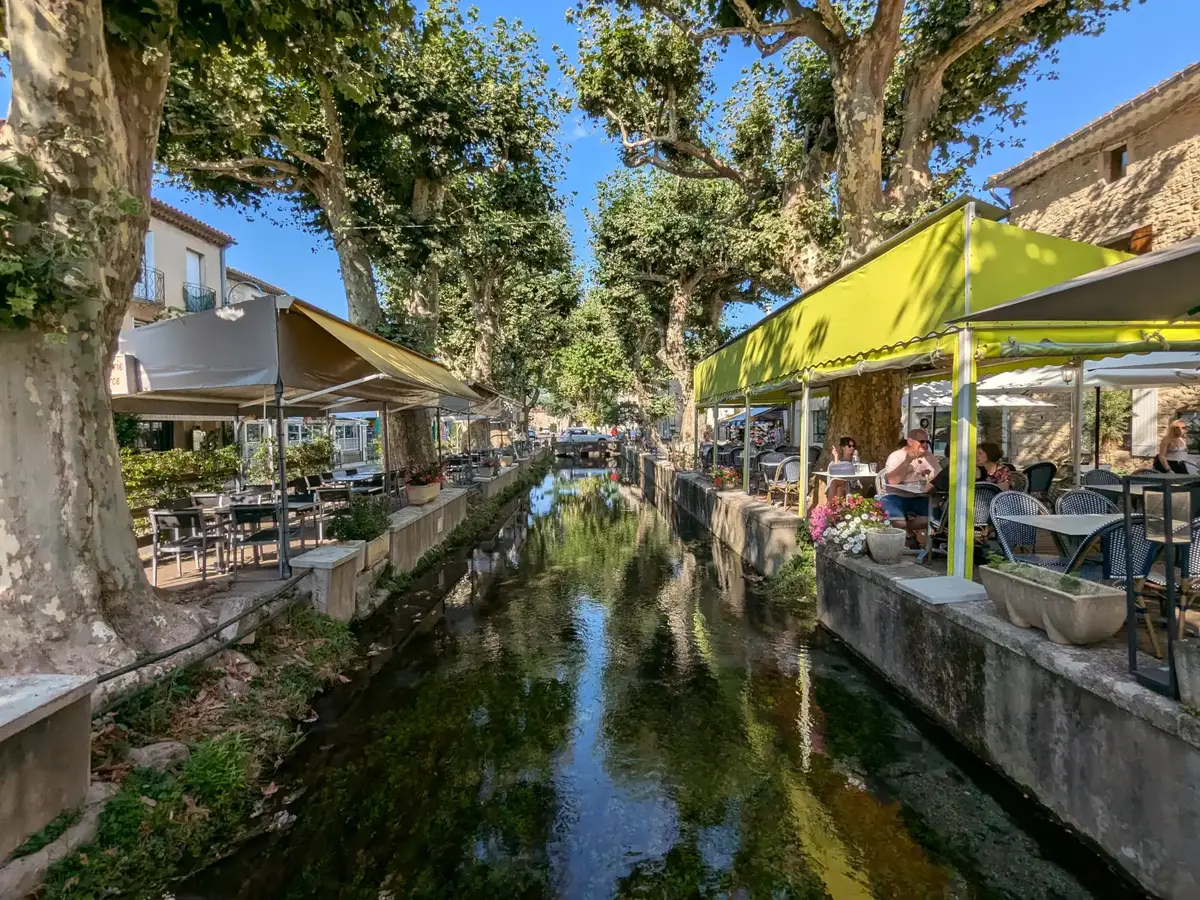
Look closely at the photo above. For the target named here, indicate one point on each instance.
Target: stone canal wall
(1117, 762)
(763, 535)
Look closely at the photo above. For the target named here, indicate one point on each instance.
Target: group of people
(912, 472)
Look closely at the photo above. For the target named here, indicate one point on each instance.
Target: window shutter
(1142, 240)
(1145, 422)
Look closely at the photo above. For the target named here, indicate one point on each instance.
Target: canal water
(607, 706)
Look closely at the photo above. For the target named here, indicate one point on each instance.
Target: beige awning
(227, 361)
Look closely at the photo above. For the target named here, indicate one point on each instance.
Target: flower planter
(486, 471)
(420, 494)
(377, 549)
(506, 461)
(886, 545)
(1187, 671)
(1094, 613)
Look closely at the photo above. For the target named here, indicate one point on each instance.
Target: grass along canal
(607, 708)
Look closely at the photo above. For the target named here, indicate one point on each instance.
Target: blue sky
(1139, 48)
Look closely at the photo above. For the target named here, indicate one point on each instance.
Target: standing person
(906, 479)
(612, 432)
(1172, 449)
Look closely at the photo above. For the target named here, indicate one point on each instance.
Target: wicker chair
(786, 479)
(1014, 536)
(1100, 476)
(1082, 503)
(1018, 482)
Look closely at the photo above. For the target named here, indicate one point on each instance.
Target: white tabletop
(1074, 526)
(846, 475)
(1134, 489)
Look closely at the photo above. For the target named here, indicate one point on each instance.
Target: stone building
(1128, 180)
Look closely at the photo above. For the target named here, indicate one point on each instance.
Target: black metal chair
(1041, 477)
(1083, 503)
(247, 531)
(1099, 476)
(312, 482)
(188, 536)
(1013, 536)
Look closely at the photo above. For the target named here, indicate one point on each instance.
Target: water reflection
(607, 710)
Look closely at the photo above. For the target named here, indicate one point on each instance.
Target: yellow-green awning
(895, 303)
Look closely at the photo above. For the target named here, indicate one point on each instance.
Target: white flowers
(849, 535)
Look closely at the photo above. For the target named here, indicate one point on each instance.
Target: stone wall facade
(1161, 187)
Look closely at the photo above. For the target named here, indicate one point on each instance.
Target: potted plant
(1069, 609)
(842, 524)
(486, 468)
(363, 519)
(726, 478)
(886, 544)
(506, 457)
(424, 485)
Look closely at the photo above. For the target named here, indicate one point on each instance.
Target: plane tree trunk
(73, 595)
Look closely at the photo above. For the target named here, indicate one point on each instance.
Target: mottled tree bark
(674, 353)
(866, 408)
(73, 595)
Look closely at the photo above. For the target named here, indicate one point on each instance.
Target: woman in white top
(1172, 449)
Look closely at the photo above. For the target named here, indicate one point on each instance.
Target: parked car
(582, 440)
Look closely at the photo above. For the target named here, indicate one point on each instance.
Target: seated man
(906, 479)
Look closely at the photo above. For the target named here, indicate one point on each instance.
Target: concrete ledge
(763, 535)
(492, 487)
(333, 573)
(45, 751)
(1117, 762)
(418, 529)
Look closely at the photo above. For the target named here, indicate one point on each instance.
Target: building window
(254, 434)
(1137, 242)
(820, 420)
(1118, 162)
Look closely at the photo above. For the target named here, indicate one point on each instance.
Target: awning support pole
(470, 461)
(285, 569)
(1077, 423)
(438, 442)
(383, 446)
(746, 449)
(1096, 432)
(696, 436)
(962, 460)
(805, 439)
(908, 425)
(241, 451)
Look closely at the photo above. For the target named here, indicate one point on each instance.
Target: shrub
(309, 458)
(430, 475)
(362, 519)
(152, 478)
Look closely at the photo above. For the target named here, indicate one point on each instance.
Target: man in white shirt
(907, 479)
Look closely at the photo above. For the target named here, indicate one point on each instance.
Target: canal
(605, 705)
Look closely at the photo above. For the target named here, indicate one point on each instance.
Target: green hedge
(310, 458)
(152, 478)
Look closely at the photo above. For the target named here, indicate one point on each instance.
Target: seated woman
(845, 453)
(1172, 449)
(991, 470)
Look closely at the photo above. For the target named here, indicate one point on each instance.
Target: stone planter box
(886, 546)
(1187, 671)
(377, 549)
(506, 461)
(486, 471)
(420, 494)
(1095, 613)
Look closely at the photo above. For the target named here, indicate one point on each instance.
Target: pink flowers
(843, 522)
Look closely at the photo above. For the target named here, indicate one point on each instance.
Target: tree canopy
(856, 118)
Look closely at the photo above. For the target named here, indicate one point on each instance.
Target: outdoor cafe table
(354, 479)
(1070, 526)
(299, 508)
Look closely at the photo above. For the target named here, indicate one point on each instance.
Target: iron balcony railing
(197, 297)
(150, 287)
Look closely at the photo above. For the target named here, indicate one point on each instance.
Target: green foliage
(591, 368)
(154, 478)
(47, 262)
(162, 825)
(364, 518)
(53, 830)
(1116, 413)
(127, 430)
(311, 457)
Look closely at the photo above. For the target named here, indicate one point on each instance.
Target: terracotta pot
(420, 494)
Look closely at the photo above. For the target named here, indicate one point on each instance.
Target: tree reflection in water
(621, 716)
